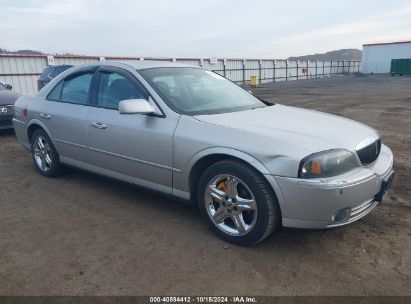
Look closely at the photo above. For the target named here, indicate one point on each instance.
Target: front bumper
(6, 122)
(338, 201)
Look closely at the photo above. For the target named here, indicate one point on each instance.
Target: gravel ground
(82, 234)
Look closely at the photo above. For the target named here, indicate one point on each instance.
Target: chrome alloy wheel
(42, 154)
(230, 205)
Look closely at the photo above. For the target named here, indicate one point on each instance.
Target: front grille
(370, 152)
(5, 124)
(9, 108)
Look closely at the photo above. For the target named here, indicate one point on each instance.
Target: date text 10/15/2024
(200, 299)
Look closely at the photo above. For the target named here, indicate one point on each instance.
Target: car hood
(8, 97)
(314, 131)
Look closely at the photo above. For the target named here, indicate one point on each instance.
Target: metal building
(376, 57)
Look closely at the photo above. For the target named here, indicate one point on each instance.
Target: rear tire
(238, 203)
(45, 156)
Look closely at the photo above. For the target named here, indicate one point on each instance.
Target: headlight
(327, 163)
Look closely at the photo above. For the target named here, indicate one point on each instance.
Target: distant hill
(30, 52)
(344, 54)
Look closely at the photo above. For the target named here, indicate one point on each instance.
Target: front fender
(229, 152)
(183, 177)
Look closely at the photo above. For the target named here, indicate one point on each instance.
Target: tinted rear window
(76, 89)
(60, 69)
(46, 72)
(55, 93)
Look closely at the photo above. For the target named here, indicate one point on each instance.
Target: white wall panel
(22, 71)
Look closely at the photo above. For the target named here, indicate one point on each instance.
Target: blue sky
(201, 28)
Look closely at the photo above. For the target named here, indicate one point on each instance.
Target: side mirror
(8, 86)
(135, 106)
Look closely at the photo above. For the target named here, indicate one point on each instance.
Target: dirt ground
(82, 234)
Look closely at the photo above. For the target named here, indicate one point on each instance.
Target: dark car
(7, 99)
(49, 73)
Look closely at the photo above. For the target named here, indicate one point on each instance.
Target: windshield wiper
(268, 103)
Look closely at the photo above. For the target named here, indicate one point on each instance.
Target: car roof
(138, 64)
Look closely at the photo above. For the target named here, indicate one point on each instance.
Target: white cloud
(206, 28)
(390, 26)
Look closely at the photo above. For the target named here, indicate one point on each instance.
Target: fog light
(341, 215)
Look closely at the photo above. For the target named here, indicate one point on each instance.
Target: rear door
(65, 114)
(136, 146)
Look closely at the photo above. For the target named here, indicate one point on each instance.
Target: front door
(136, 147)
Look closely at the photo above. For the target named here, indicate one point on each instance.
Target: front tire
(45, 156)
(238, 203)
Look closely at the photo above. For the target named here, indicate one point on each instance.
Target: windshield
(194, 91)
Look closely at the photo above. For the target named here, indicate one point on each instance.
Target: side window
(55, 93)
(76, 88)
(113, 88)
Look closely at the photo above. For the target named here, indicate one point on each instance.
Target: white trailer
(376, 57)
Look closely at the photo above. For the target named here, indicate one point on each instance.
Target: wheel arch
(206, 158)
(34, 125)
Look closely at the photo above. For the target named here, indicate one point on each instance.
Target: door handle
(98, 125)
(45, 116)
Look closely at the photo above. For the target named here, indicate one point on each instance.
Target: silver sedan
(251, 166)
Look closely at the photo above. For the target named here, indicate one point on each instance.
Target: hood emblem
(3, 110)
